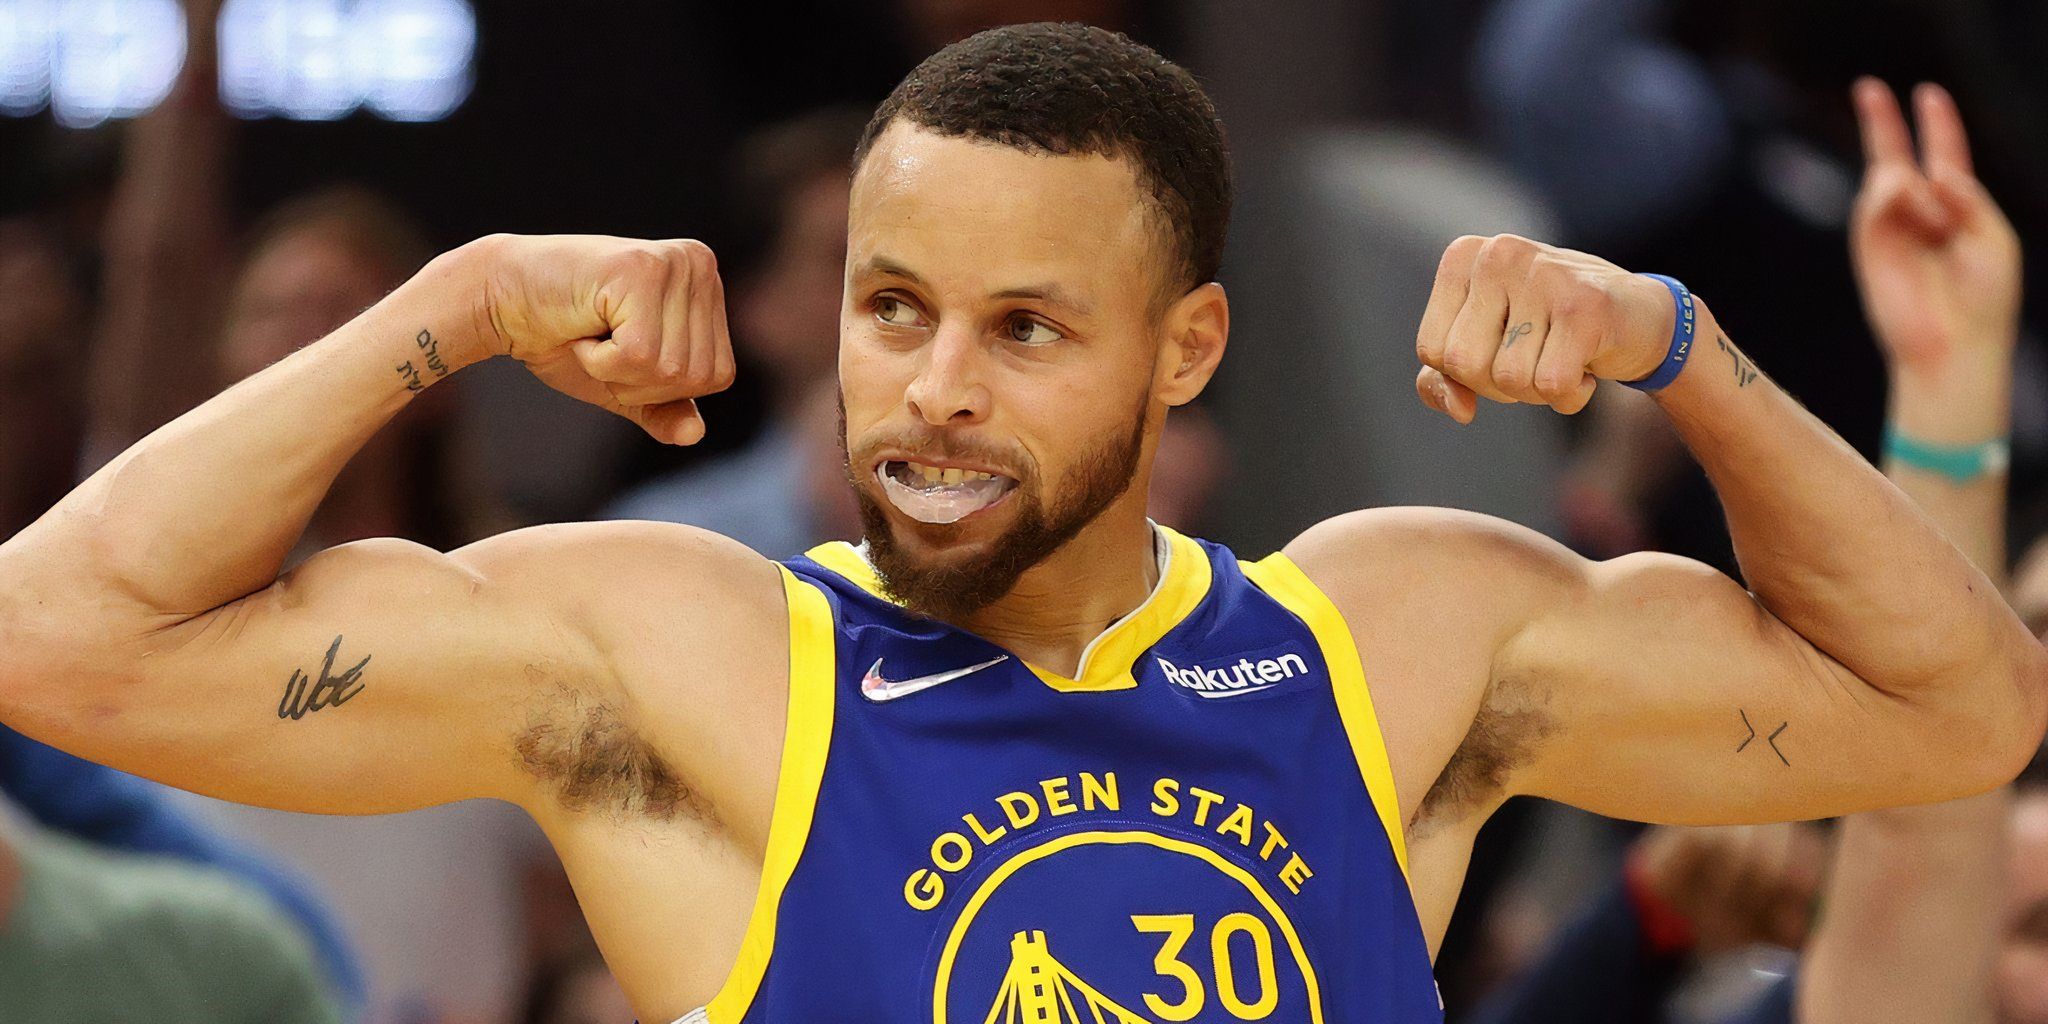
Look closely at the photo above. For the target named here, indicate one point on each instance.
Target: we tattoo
(303, 696)
(1516, 333)
(1745, 371)
(1771, 740)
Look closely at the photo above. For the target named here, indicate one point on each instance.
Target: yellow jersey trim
(806, 737)
(1283, 581)
(1049, 847)
(847, 561)
(1106, 661)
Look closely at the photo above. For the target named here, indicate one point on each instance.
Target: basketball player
(1021, 755)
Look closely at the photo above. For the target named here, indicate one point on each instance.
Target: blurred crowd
(147, 264)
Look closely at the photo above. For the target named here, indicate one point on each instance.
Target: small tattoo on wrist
(432, 350)
(430, 354)
(1745, 371)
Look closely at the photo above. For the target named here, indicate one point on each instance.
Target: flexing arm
(1912, 912)
(144, 622)
(1869, 665)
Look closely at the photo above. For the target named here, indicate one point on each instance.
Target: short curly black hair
(1068, 88)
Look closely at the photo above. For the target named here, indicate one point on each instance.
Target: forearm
(1842, 556)
(1906, 930)
(166, 253)
(1957, 404)
(1908, 927)
(206, 509)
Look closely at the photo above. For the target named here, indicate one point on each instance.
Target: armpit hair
(593, 760)
(1511, 720)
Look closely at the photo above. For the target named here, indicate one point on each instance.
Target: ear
(1195, 330)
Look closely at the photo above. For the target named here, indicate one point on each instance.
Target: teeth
(934, 476)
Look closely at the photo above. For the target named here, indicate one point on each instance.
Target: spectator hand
(1736, 885)
(1937, 263)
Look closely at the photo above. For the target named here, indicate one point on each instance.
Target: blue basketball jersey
(1199, 826)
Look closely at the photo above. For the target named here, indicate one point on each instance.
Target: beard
(951, 589)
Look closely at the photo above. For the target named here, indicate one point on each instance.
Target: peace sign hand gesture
(1936, 261)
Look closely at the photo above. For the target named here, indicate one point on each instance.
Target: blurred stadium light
(90, 60)
(407, 60)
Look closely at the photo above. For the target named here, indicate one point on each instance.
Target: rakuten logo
(1245, 676)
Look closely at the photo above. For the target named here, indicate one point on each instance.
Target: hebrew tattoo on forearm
(1516, 333)
(303, 696)
(430, 353)
(1771, 740)
(1745, 371)
(431, 349)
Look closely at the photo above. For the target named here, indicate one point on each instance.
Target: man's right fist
(632, 326)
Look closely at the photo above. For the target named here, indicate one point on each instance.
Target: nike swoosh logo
(878, 689)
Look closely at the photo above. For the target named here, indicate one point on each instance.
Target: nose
(948, 388)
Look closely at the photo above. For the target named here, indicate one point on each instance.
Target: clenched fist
(1518, 321)
(632, 326)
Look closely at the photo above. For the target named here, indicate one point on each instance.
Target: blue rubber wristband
(1960, 463)
(1681, 338)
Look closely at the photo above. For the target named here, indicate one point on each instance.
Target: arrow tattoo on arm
(1772, 739)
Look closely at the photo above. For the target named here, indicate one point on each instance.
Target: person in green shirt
(89, 936)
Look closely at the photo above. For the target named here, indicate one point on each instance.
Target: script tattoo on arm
(1771, 740)
(431, 349)
(303, 696)
(1745, 371)
(430, 353)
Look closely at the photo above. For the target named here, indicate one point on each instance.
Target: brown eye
(894, 311)
(1026, 331)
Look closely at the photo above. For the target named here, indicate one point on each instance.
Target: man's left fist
(1519, 321)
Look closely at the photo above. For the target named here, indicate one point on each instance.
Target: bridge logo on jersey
(1123, 927)
(1038, 988)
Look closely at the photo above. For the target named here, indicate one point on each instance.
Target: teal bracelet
(1960, 463)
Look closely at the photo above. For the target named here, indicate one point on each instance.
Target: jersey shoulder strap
(1283, 581)
(806, 740)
